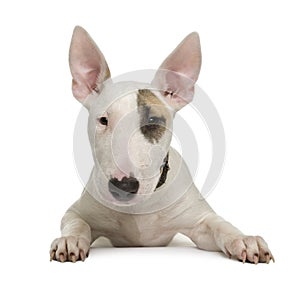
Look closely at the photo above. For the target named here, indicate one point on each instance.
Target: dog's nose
(125, 189)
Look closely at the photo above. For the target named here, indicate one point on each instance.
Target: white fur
(151, 218)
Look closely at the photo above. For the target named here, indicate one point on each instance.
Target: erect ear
(87, 64)
(179, 72)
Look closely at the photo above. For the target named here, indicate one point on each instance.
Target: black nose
(125, 189)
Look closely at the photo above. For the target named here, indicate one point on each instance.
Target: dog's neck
(165, 169)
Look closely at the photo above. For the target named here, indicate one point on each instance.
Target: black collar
(165, 169)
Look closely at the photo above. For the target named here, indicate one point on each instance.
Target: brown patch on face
(153, 115)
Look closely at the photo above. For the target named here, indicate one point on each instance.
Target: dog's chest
(143, 230)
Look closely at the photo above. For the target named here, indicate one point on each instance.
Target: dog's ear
(179, 72)
(87, 64)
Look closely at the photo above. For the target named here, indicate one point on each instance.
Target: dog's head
(130, 124)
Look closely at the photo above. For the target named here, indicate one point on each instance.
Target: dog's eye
(156, 120)
(103, 121)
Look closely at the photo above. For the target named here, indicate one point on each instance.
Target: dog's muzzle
(125, 189)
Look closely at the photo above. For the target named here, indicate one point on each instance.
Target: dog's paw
(69, 248)
(253, 249)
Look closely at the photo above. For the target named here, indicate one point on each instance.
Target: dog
(140, 192)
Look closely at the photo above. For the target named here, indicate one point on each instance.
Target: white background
(250, 71)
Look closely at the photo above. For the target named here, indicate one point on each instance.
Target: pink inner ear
(179, 72)
(87, 64)
(178, 89)
(82, 89)
(186, 58)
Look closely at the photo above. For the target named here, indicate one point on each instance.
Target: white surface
(251, 72)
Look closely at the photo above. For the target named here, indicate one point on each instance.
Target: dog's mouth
(123, 190)
(126, 189)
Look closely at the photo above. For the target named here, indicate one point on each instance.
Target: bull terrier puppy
(140, 192)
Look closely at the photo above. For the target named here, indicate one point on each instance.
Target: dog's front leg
(75, 240)
(214, 233)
